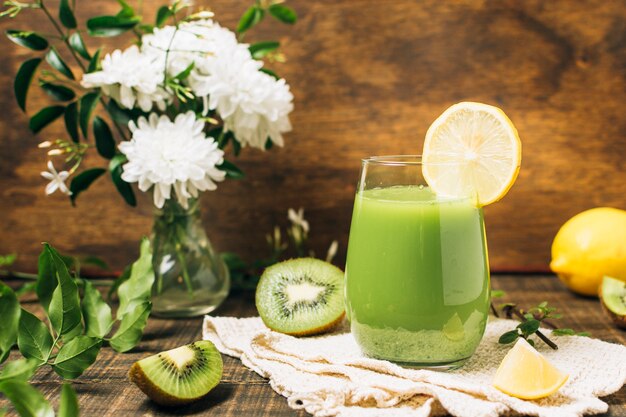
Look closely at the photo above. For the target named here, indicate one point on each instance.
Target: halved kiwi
(613, 299)
(301, 296)
(179, 376)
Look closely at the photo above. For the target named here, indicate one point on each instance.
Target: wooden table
(105, 391)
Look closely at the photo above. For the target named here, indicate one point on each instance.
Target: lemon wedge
(472, 149)
(525, 373)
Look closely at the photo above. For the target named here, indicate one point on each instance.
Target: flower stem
(539, 334)
(80, 63)
(183, 266)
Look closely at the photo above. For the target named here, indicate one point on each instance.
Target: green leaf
(124, 188)
(105, 144)
(94, 64)
(54, 59)
(508, 337)
(64, 311)
(251, 17)
(270, 72)
(261, 49)
(529, 327)
(44, 117)
(26, 288)
(33, 338)
(131, 328)
(27, 39)
(83, 181)
(9, 320)
(22, 369)
(8, 260)
(126, 12)
(139, 286)
(66, 15)
(185, 73)
(46, 279)
(94, 261)
(23, 79)
(163, 14)
(88, 103)
(78, 44)
(69, 403)
(71, 121)
(107, 26)
(283, 13)
(231, 170)
(28, 402)
(57, 92)
(269, 144)
(119, 281)
(497, 293)
(563, 332)
(97, 313)
(76, 355)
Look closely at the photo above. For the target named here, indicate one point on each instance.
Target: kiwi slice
(613, 299)
(301, 296)
(179, 376)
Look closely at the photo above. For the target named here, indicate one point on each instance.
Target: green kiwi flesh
(613, 298)
(179, 376)
(301, 296)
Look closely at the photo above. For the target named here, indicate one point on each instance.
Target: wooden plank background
(369, 76)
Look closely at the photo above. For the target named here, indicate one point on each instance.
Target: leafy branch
(530, 322)
(77, 323)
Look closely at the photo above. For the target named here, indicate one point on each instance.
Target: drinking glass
(417, 275)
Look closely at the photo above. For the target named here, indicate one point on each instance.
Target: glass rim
(401, 160)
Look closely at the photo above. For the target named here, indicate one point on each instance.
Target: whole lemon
(588, 246)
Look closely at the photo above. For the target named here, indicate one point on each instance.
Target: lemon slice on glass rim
(525, 373)
(472, 149)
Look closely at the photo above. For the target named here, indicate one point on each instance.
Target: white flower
(297, 219)
(57, 180)
(131, 77)
(170, 155)
(253, 105)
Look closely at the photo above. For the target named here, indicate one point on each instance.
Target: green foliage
(71, 121)
(231, 170)
(108, 26)
(105, 144)
(66, 15)
(30, 40)
(44, 117)
(88, 104)
(283, 13)
(64, 344)
(69, 403)
(23, 79)
(164, 13)
(10, 316)
(34, 340)
(55, 61)
(261, 49)
(7, 260)
(83, 181)
(57, 92)
(250, 18)
(124, 188)
(28, 402)
(78, 44)
(94, 64)
(97, 313)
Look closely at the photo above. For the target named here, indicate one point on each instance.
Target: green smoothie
(417, 288)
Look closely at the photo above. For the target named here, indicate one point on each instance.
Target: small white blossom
(57, 180)
(131, 77)
(297, 219)
(332, 251)
(172, 155)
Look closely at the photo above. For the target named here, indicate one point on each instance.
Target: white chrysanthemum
(253, 105)
(170, 155)
(130, 77)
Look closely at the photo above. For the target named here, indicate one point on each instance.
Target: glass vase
(190, 277)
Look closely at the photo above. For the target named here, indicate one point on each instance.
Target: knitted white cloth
(329, 376)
